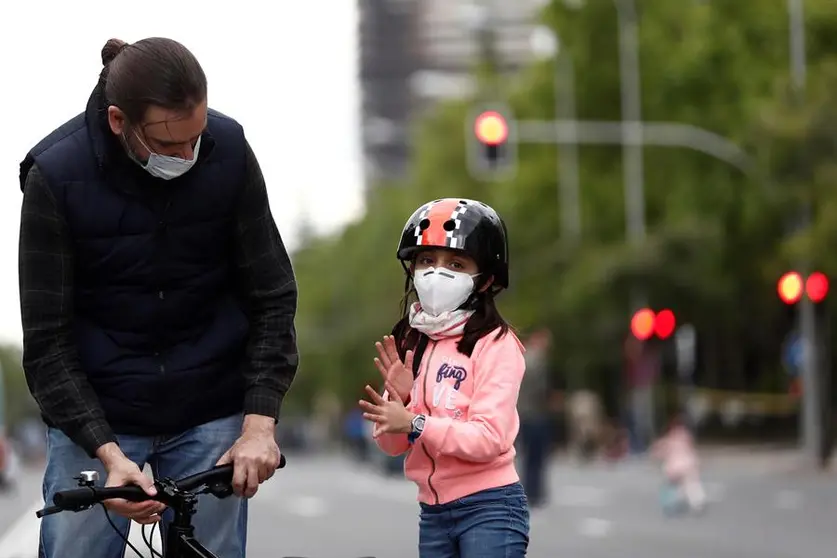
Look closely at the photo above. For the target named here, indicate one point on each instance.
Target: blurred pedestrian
(642, 368)
(533, 406)
(354, 430)
(680, 465)
(586, 418)
(157, 299)
(453, 405)
(615, 441)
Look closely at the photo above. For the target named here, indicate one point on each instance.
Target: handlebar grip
(84, 497)
(47, 511)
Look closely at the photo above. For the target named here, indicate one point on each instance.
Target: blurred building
(415, 52)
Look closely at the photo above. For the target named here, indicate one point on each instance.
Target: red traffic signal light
(790, 287)
(491, 138)
(645, 324)
(491, 128)
(816, 287)
(664, 324)
(642, 324)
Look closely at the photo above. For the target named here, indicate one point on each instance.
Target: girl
(676, 450)
(453, 406)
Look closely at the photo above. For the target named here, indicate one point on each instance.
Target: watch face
(418, 422)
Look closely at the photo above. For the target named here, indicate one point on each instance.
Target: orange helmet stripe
(435, 234)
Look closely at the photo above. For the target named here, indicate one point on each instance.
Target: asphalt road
(329, 507)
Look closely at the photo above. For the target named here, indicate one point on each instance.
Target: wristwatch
(417, 427)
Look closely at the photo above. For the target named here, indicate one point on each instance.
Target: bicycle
(181, 496)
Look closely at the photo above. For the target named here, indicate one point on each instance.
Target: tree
(716, 237)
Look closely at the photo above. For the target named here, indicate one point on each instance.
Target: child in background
(676, 450)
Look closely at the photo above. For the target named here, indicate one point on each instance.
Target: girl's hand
(398, 374)
(390, 417)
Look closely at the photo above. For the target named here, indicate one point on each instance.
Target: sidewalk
(764, 459)
(756, 458)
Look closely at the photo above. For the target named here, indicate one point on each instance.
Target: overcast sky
(285, 70)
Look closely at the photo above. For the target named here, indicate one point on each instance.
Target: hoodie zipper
(427, 407)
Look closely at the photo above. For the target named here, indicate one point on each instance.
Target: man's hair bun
(111, 49)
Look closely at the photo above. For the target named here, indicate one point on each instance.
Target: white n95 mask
(442, 290)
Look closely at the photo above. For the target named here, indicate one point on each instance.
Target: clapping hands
(398, 374)
(390, 417)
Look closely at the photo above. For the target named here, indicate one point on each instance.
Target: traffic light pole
(811, 416)
(659, 134)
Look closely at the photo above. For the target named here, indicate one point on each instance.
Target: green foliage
(717, 239)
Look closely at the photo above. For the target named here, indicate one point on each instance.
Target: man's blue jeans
(221, 525)
(492, 523)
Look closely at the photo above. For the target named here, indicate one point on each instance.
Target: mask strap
(143, 143)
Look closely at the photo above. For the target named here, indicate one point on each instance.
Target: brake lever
(219, 489)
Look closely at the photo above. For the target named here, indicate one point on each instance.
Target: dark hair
(151, 72)
(485, 319)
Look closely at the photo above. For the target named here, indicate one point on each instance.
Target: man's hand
(255, 455)
(122, 471)
(390, 417)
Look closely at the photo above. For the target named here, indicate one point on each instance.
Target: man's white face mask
(166, 166)
(442, 290)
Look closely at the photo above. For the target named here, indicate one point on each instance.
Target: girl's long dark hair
(485, 319)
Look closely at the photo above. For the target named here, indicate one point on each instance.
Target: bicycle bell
(87, 478)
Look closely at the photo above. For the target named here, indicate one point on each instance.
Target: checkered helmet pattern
(459, 224)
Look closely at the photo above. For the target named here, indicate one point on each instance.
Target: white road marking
(594, 527)
(398, 491)
(21, 540)
(789, 500)
(135, 538)
(307, 506)
(581, 496)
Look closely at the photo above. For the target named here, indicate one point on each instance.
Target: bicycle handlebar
(82, 498)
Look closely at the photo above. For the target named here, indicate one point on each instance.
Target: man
(533, 407)
(157, 299)
(642, 368)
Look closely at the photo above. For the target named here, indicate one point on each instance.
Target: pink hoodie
(676, 450)
(471, 409)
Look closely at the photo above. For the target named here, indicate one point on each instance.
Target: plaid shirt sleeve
(50, 360)
(267, 280)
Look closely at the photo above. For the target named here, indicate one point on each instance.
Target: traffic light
(645, 324)
(642, 324)
(816, 287)
(664, 324)
(492, 143)
(791, 287)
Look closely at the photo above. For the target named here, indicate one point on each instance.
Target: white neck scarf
(443, 326)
